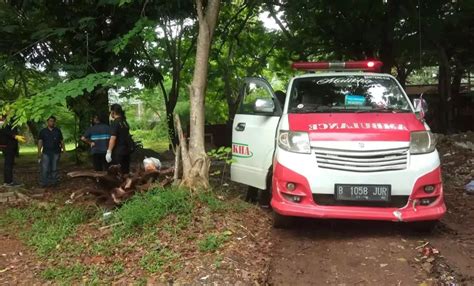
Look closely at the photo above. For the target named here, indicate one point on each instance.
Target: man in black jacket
(9, 139)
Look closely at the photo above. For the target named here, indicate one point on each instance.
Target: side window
(255, 89)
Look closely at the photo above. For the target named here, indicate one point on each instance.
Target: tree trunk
(455, 91)
(402, 74)
(33, 127)
(444, 90)
(386, 52)
(96, 102)
(196, 163)
(171, 103)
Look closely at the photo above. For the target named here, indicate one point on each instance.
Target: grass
(48, 232)
(212, 201)
(64, 274)
(213, 242)
(151, 140)
(30, 149)
(49, 225)
(148, 221)
(150, 208)
(154, 261)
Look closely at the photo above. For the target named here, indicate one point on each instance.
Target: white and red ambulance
(342, 143)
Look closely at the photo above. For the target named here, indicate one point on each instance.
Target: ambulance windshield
(347, 93)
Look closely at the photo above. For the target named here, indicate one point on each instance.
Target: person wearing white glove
(120, 143)
(108, 156)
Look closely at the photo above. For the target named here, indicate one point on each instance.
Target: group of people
(109, 144)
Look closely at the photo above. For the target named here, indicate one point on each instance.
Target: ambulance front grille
(362, 161)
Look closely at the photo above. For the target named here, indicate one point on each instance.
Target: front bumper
(308, 207)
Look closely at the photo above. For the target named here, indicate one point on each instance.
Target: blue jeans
(49, 169)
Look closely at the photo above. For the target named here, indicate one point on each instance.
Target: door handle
(240, 126)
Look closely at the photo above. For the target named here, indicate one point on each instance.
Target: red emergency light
(374, 66)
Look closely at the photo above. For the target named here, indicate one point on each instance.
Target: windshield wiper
(311, 109)
(382, 109)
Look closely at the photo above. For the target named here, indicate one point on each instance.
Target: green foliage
(123, 41)
(213, 242)
(149, 208)
(64, 274)
(38, 107)
(153, 261)
(222, 154)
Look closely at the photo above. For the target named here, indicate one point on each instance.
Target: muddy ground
(333, 252)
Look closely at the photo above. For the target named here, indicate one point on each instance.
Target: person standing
(97, 136)
(120, 144)
(50, 147)
(9, 139)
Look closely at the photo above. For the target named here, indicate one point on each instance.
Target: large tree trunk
(95, 102)
(387, 49)
(444, 90)
(196, 163)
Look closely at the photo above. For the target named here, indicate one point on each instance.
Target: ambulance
(343, 142)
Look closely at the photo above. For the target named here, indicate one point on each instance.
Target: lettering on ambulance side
(338, 126)
(241, 150)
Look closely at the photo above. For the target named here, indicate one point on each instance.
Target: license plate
(347, 192)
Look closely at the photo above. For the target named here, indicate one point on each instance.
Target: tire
(281, 221)
(424, 226)
(265, 198)
(252, 195)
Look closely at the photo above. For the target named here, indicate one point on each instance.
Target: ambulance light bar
(374, 66)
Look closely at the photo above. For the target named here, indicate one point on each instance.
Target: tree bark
(387, 49)
(444, 90)
(196, 163)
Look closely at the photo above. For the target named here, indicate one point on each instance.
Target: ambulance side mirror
(421, 107)
(264, 106)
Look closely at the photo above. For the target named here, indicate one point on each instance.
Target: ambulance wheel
(265, 198)
(281, 221)
(252, 195)
(424, 226)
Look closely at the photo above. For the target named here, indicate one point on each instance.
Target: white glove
(108, 156)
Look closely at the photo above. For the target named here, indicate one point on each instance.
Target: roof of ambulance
(333, 73)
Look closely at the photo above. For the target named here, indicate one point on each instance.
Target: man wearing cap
(9, 139)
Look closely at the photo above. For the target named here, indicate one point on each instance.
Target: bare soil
(372, 253)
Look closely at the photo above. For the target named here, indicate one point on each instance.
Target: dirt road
(365, 253)
(373, 253)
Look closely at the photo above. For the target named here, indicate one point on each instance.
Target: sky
(268, 21)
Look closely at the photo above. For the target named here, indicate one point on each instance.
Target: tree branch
(279, 23)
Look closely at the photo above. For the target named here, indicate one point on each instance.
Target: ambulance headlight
(297, 142)
(422, 142)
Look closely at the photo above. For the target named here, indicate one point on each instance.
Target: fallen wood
(89, 174)
(110, 225)
(115, 188)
